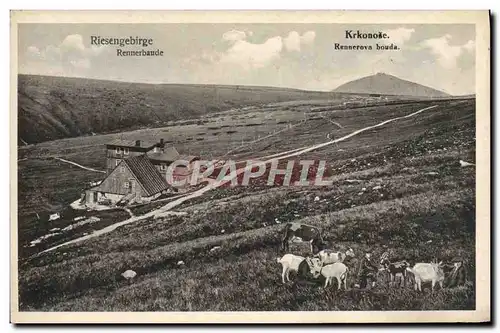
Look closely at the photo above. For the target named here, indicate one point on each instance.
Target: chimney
(162, 143)
(137, 143)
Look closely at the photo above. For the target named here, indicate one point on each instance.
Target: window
(125, 151)
(163, 167)
(117, 162)
(126, 184)
(122, 168)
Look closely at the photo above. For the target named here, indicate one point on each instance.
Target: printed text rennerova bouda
(140, 46)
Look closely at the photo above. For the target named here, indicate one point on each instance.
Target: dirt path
(267, 159)
(78, 165)
(128, 211)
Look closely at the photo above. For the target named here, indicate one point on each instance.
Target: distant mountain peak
(386, 84)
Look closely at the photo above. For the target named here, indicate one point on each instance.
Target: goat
(394, 269)
(304, 233)
(329, 257)
(293, 263)
(336, 270)
(425, 272)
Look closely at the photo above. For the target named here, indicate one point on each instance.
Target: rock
(215, 248)
(180, 263)
(129, 274)
(316, 199)
(360, 193)
(363, 189)
(429, 241)
(432, 173)
(55, 229)
(465, 164)
(222, 231)
(378, 187)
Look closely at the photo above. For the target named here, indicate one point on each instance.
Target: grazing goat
(425, 272)
(336, 270)
(303, 232)
(293, 263)
(329, 256)
(394, 269)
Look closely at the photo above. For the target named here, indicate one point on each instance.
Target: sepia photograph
(276, 167)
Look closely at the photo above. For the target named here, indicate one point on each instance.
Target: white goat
(425, 272)
(290, 263)
(336, 270)
(329, 257)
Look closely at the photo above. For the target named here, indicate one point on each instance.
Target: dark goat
(395, 268)
(303, 232)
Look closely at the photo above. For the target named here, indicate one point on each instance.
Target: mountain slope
(59, 107)
(385, 84)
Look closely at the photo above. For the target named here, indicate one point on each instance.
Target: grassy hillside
(396, 188)
(57, 107)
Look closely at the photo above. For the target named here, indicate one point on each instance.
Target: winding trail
(78, 165)
(291, 153)
(128, 211)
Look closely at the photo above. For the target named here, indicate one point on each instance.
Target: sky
(298, 56)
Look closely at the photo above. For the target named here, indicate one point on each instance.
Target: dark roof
(169, 154)
(147, 175)
(131, 143)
